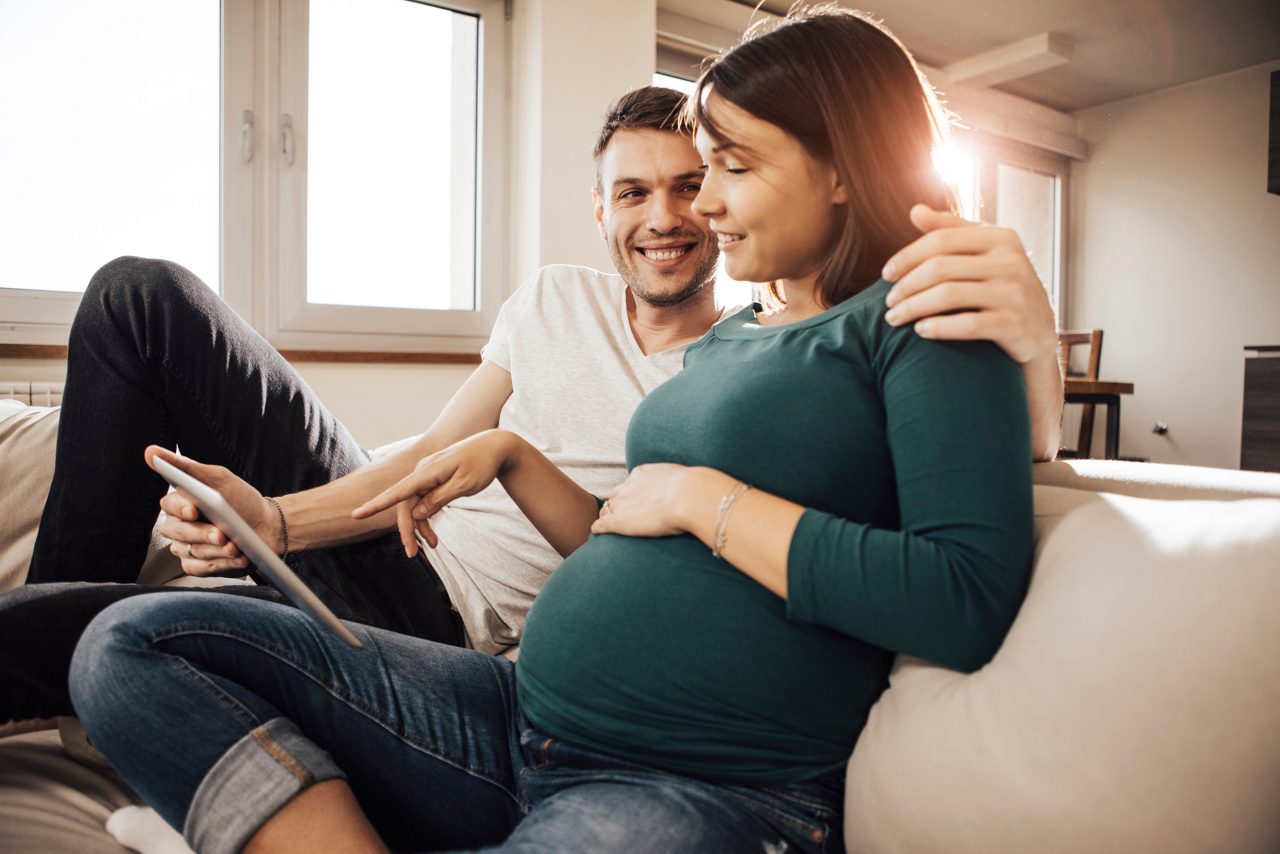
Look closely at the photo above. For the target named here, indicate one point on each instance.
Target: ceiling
(1118, 48)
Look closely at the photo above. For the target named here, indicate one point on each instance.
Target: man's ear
(599, 205)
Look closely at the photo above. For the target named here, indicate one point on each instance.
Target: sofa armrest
(1157, 480)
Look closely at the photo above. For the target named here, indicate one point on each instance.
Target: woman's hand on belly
(649, 502)
(749, 528)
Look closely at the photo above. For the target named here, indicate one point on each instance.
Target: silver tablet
(220, 513)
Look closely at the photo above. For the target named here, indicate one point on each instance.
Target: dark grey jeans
(156, 357)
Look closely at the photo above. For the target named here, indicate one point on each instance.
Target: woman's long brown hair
(851, 94)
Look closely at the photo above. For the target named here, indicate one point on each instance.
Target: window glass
(677, 83)
(391, 155)
(110, 145)
(1026, 201)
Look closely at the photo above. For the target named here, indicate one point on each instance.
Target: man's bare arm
(1045, 399)
(321, 516)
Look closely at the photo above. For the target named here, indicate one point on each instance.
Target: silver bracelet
(722, 516)
(284, 528)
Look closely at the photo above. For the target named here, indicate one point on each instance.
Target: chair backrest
(1067, 340)
(1092, 337)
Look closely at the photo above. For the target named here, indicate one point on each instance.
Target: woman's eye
(736, 170)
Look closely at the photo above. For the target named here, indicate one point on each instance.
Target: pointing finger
(407, 487)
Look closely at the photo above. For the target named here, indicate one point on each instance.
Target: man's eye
(691, 188)
(631, 194)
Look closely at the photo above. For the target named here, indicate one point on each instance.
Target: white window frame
(263, 203)
(290, 321)
(36, 317)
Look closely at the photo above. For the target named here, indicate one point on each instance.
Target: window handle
(246, 136)
(286, 138)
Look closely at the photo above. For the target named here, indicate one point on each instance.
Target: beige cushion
(1158, 480)
(27, 437)
(1133, 706)
(49, 802)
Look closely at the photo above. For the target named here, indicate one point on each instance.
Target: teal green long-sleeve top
(913, 460)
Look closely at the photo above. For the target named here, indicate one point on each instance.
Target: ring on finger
(190, 550)
(605, 509)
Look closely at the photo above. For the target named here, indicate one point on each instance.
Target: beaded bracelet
(722, 516)
(284, 528)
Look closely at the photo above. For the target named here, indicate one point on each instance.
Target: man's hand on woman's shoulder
(965, 280)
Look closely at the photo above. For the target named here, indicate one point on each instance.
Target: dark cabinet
(1260, 436)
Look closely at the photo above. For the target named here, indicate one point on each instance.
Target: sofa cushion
(50, 802)
(27, 437)
(1131, 708)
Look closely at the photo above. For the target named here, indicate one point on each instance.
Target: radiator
(31, 392)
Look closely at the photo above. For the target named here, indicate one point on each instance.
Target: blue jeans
(219, 710)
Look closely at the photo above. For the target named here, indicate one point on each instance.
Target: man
(155, 357)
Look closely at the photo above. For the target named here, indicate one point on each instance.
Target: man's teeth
(722, 239)
(665, 254)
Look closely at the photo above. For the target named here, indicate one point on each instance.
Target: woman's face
(770, 204)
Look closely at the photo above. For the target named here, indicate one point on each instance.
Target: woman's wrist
(698, 498)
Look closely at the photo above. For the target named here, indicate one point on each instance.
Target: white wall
(1175, 253)
(570, 60)
(378, 403)
(382, 403)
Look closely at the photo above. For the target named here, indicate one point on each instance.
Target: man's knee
(133, 287)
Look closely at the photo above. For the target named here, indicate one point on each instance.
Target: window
(1024, 188)
(325, 164)
(680, 84)
(400, 231)
(1027, 202)
(101, 155)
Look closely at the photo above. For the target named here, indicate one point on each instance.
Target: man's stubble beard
(703, 275)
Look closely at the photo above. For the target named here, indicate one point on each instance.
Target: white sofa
(1132, 708)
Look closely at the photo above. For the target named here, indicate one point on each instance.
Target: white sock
(142, 829)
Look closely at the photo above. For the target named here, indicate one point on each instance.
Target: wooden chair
(1067, 340)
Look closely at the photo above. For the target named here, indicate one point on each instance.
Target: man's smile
(664, 254)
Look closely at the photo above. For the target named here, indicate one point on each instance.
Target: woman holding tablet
(816, 491)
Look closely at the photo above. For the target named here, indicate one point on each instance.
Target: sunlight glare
(958, 168)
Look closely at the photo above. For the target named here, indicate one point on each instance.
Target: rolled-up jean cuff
(251, 782)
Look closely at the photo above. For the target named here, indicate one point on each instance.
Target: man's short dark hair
(646, 108)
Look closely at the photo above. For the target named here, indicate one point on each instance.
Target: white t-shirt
(577, 375)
